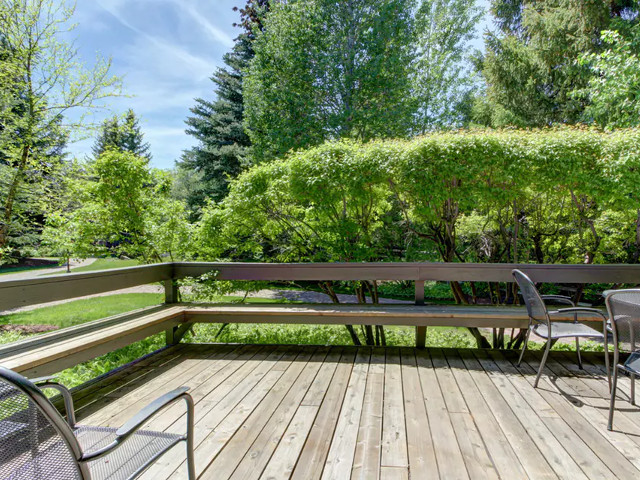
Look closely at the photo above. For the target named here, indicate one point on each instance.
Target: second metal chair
(540, 322)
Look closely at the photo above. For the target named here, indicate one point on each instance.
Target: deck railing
(19, 293)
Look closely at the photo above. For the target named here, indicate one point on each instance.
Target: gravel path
(311, 297)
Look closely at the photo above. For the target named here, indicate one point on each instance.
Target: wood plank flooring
(280, 412)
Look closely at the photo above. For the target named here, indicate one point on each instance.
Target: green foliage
(613, 91)
(208, 288)
(531, 66)
(122, 135)
(329, 70)
(546, 196)
(321, 205)
(42, 80)
(442, 82)
(125, 208)
(322, 335)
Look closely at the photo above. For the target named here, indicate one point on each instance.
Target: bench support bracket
(174, 334)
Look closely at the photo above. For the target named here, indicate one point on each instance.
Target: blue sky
(165, 50)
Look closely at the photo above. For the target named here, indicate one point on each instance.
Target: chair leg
(191, 463)
(524, 346)
(633, 389)
(613, 397)
(578, 353)
(607, 363)
(544, 360)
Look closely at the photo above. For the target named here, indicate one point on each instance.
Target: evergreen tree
(531, 66)
(122, 135)
(217, 125)
(221, 152)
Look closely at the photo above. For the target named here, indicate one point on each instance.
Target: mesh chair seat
(37, 443)
(50, 460)
(566, 329)
(121, 464)
(142, 447)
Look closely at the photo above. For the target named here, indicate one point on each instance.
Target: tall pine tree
(221, 152)
(531, 68)
(124, 135)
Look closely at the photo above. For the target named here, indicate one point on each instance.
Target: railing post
(170, 291)
(421, 332)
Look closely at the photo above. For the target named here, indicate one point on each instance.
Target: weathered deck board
(280, 412)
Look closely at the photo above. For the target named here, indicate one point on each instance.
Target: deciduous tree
(326, 70)
(50, 81)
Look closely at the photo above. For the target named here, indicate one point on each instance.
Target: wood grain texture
(281, 412)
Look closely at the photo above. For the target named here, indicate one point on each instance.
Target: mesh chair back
(536, 308)
(33, 445)
(624, 312)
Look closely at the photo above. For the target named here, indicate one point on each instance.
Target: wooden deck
(271, 412)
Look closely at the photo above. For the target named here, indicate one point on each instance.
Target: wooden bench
(55, 351)
(419, 316)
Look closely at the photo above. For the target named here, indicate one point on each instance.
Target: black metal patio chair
(624, 311)
(37, 443)
(540, 322)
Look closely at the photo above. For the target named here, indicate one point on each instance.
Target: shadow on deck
(272, 412)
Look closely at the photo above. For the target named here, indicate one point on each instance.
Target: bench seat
(54, 351)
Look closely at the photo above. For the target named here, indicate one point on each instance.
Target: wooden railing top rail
(422, 271)
(18, 293)
(49, 288)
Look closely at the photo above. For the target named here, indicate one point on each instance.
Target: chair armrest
(134, 424)
(150, 410)
(39, 380)
(45, 383)
(583, 310)
(559, 299)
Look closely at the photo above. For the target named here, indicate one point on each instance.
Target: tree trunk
(327, 288)
(11, 197)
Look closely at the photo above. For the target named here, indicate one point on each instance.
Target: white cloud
(166, 50)
(214, 32)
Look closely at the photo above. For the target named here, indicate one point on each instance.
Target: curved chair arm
(605, 318)
(39, 380)
(142, 417)
(559, 299)
(150, 410)
(45, 382)
(584, 310)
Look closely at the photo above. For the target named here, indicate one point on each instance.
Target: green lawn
(9, 270)
(84, 310)
(102, 264)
